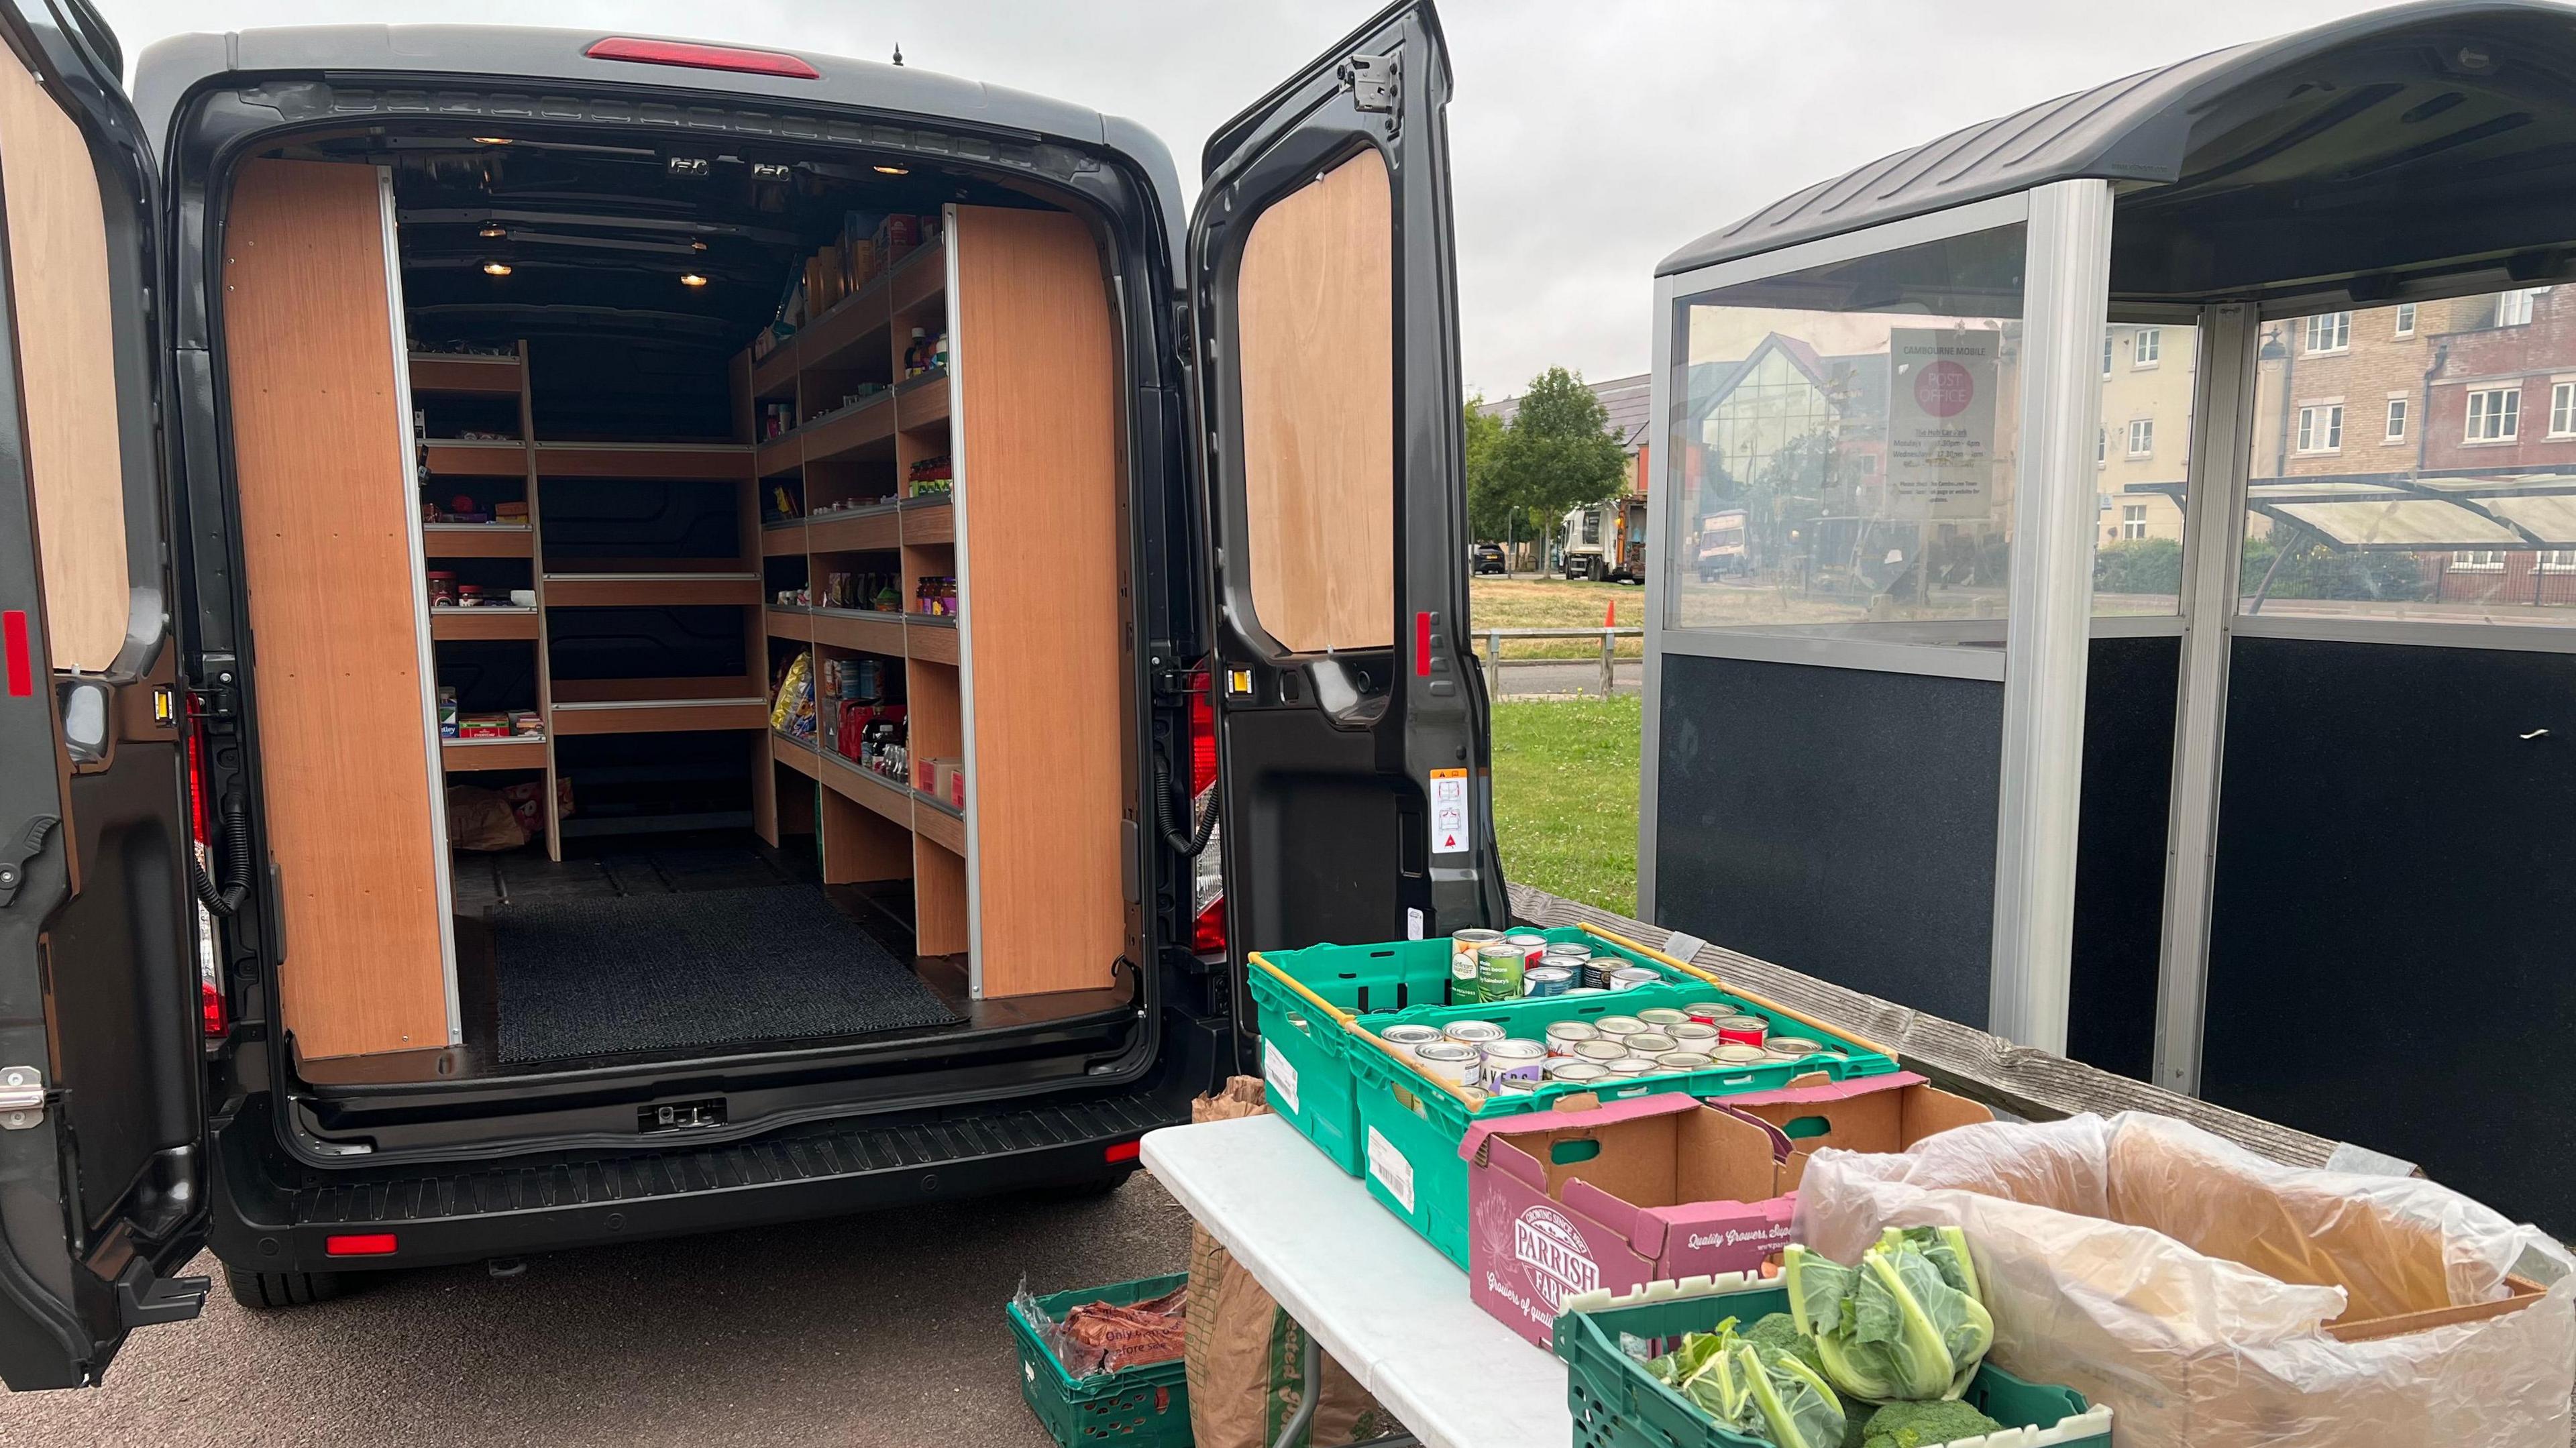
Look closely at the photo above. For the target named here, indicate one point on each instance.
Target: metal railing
(1495, 663)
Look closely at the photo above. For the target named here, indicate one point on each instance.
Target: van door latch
(14, 855)
(22, 1097)
(1371, 80)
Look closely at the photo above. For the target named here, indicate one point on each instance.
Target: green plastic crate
(1379, 1119)
(1138, 1407)
(1616, 1403)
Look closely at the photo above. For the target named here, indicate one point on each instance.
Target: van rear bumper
(273, 1214)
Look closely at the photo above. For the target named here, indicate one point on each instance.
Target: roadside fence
(1495, 663)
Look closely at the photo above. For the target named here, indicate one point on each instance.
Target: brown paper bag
(1246, 1358)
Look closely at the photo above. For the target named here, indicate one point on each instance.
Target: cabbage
(1906, 1322)
(1760, 1390)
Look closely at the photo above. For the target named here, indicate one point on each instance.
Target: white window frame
(2557, 560)
(2562, 408)
(2394, 420)
(2106, 354)
(2327, 333)
(2147, 437)
(2405, 319)
(2477, 560)
(2146, 349)
(2514, 308)
(2101, 447)
(2501, 422)
(2329, 411)
(2133, 522)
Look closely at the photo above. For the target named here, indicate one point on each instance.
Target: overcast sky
(1588, 137)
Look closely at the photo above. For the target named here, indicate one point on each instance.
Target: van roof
(168, 70)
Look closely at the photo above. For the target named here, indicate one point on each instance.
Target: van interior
(639, 677)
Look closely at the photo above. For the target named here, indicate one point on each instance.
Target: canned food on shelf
(1564, 1036)
(1450, 1062)
(1744, 1030)
(1547, 980)
(1651, 1043)
(1473, 1033)
(1499, 969)
(1575, 1071)
(1662, 1018)
(1409, 1038)
(1631, 1066)
(1618, 1025)
(1736, 1053)
(1514, 1058)
(1694, 1035)
(1601, 1051)
(1634, 976)
(1685, 1060)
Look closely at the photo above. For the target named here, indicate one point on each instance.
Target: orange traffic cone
(1610, 619)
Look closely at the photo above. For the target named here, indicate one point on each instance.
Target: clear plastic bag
(2189, 1284)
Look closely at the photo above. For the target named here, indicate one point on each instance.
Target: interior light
(692, 279)
(494, 231)
(894, 170)
(496, 268)
(697, 246)
(704, 57)
(491, 140)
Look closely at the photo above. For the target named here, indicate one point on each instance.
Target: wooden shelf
(659, 716)
(859, 784)
(651, 590)
(718, 461)
(780, 455)
(782, 540)
(836, 341)
(478, 540)
(866, 430)
(939, 824)
(929, 520)
(510, 622)
(467, 756)
(479, 376)
(456, 458)
(774, 376)
(922, 401)
(921, 275)
(869, 632)
(931, 638)
(788, 623)
(855, 530)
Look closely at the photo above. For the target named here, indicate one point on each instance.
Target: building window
(2142, 436)
(2101, 446)
(2330, 332)
(2396, 419)
(2513, 309)
(2562, 409)
(2133, 521)
(2150, 347)
(2477, 560)
(2106, 354)
(2495, 414)
(2321, 428)
(2406, 319)
(2558, 560)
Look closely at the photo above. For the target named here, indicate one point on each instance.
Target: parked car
(1488, 558)
(192, 1055)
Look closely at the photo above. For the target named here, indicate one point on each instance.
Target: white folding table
(1382, 1301)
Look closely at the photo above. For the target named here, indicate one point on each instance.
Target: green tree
(1489, 513)
(1558, 453)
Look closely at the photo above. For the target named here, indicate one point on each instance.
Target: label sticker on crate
(1412, 923)
(1391, 1168)
(1449, 835)
(1281, 1075)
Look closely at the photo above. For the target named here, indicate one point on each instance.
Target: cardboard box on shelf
(1664, 1187)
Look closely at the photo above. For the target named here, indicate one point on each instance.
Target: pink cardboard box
(1663, 1187)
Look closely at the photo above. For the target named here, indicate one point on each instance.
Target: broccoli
(1919, 1425)
(1780, 1332)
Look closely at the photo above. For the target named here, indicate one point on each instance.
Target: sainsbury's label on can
(1391, 1168)
(1281, 1075)
(1449, 834)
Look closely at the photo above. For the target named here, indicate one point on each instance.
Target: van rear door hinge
(22, 1097)
(1371, 80)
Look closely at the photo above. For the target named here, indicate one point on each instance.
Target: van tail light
(1207, 883)
(359, 1244)
(211, 1015)
(702, 57)
(1123, 1151)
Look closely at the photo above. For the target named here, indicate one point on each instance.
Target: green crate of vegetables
(1888, 1353)
(1143, 1406)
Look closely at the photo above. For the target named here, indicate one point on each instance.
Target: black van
(872, 540)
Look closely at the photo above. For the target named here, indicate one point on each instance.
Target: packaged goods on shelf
(791, 709)
(483, 726)
(447, 712)
(776, 419)
(931, 477)
(525, 723)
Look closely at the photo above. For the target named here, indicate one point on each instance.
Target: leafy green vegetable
(1905, 1323)
(1919, 1425)
(1763, 1389)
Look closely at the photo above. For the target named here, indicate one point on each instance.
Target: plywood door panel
(1037, 435)
(1315, 329)
(66, 370)
(327, 521)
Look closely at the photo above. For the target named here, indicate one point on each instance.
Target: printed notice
(1941, 421)
(1412, 922)
(1449, 812)
(1391, 1168)
(1281, 1076)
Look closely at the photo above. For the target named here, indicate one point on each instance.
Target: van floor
(676, 947)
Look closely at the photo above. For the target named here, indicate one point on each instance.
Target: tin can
(1651, 1043)
(1632, 1066)
(1618, 1025)
(1469, 941)
(1597, 969)
(1694, 1035)
(1450, 1062)
(1515, 1058)
(1472, 1033)
(1736, 1053)
(1575, 948)
(1662, 1018)
(1745, 1030)
(1685, 1060)
(1530, 938)
(1600, 1052)
(1564, 1036)
(1409, 1039)
(1711, 1011)
(1631, 977)
(1587, 990)
(1514, 1085)
(1547, 980)
(1574, 1072)
(1463, 989)
(1499, 968)
(1793, 1048)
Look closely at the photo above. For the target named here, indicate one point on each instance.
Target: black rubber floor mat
(699, 969)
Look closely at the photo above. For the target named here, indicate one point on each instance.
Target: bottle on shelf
(916, 357)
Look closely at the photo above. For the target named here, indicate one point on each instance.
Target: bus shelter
(2115, 582)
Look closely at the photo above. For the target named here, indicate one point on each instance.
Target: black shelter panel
(2389, 957)
(2120, 852)
(1838, 821)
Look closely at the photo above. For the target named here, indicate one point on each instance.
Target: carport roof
(2394, 512)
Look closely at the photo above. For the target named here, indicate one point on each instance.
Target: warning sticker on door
(1392, 1168)
(1449, 835)
(1281, 1075)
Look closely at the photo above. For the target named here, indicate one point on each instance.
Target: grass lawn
(1565, 796)
(1555, 603)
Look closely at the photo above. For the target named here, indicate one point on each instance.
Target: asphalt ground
(880, 1329)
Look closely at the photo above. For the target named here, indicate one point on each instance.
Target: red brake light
(1207, 929)
(1123, 1151)
(359, 1244)
(211, 1017)
(703, 57)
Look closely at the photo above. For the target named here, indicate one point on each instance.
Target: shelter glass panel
(2145, 471)
(2459, 509)
(1844, 442)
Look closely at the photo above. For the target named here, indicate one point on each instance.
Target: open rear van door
(102, 1154)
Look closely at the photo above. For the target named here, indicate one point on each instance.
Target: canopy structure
(2406, 513)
